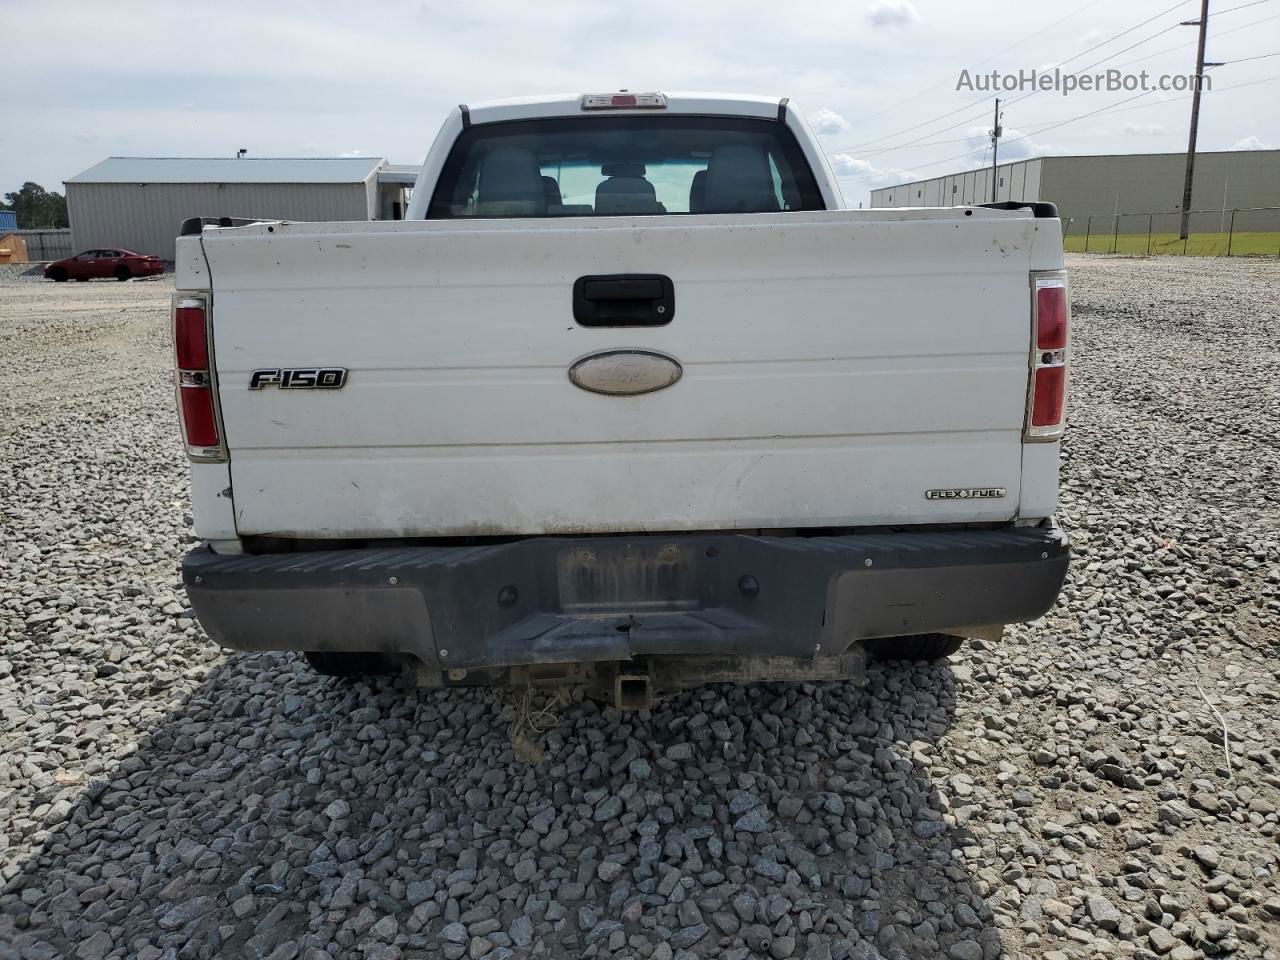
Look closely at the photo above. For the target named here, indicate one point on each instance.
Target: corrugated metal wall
(1021, 180)
(1101, 186)
(146, 217)
(46, 244)
(1129, 184)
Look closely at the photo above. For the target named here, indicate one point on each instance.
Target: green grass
(1243, 244)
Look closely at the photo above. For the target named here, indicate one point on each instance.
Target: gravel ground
(21, 273)
(1063, 794)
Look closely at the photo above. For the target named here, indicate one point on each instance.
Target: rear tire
(58, 275)
(331, 664)
(930, 647)
(122, 273)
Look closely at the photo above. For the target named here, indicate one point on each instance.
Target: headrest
(623, 170)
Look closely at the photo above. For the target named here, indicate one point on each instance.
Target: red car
(121, 264)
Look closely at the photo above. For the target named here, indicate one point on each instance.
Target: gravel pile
(21, 273)
(1064, 794)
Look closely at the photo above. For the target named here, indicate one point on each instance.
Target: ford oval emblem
(625, 373)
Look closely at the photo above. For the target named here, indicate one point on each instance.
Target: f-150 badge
(966, 493)
(300, 378)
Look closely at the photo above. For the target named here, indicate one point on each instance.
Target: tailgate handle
(624, 300)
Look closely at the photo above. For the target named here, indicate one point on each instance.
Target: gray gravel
(21, 273)
(1064, 794)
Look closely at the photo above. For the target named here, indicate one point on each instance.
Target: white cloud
(351, 153)
(1251, 143)
(849, 167)
(1145, 129)
(892, 14)
(1015, 144)
(827, 122)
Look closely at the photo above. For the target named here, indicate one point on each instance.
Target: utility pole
(1203, 23)
(995, 145)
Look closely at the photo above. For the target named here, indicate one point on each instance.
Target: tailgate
(835, 367)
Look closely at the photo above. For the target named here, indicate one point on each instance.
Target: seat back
(510, 184)
(698, 192)
(552, 190)
(739, 181)
(626, 191)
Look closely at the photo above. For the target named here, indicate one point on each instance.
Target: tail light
(197, 401)
(1050, 337)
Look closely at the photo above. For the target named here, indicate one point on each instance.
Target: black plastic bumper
(582, 599)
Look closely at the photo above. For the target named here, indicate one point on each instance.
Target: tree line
(36, 207)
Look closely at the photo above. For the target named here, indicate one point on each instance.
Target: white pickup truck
(630, 399)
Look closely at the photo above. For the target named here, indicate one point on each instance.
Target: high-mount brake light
(624, 101)
(197, 405)
(1050, 338)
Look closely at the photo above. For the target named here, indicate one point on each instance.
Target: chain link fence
(1225, 232)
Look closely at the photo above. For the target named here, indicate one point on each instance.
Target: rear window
(624, 166)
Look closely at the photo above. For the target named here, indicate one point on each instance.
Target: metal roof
(230, 170)
(399, 173)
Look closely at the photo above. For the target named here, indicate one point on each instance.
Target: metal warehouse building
(1102, 186)
(139, 202)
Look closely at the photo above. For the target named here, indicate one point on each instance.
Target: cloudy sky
(878, 78)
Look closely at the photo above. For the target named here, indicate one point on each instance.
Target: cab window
(624, 166)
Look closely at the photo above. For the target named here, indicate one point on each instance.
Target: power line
(1022, 98)
(1212, 36)
(999, 53)
(1062, 123)
(1130, 47)
(926, 143)
(917, 143)
(1242, 6)
(1161, 103)
(1187, 96)
(983, 150)
(1157, 103)
(976, 116)
(968, 106)
(1037, 130)
(1237, 86)
(1121, 34)
(1261, 56)
(1111, 56)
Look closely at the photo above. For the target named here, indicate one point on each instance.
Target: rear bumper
(593, 599)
